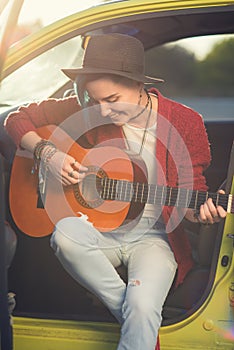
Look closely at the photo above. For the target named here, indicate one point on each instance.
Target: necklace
(149, 102)
(147, 124)
(146, 106)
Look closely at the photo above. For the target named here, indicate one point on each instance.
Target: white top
(134, 138)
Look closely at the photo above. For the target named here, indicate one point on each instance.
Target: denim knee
(141, 307)
(77, 230)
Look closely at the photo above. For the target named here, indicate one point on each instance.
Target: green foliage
(216, 71)
(175, 65)
(184, 75)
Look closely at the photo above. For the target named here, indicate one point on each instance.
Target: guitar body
(37, 215)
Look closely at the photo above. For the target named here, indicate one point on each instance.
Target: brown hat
(115, 53)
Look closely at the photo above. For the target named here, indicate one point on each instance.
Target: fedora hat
(114, 53)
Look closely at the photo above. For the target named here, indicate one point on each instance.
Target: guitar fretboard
(122, 190)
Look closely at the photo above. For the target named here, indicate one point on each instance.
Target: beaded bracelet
(39, 148)
(48, 154)
(37, 153)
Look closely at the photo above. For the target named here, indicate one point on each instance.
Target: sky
(55, 9)
(202, 45)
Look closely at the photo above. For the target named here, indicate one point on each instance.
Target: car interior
(35, 275)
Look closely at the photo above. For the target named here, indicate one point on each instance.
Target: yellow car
(52, 312)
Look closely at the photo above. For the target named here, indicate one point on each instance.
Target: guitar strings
(145, 192)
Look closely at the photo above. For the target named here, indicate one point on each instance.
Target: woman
(171, 139)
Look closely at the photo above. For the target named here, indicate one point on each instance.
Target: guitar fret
(158, 198)
(195, 205)
(127, 194)
(214, 197)
(162, 201)
(155, 193)
(169, 199)
(121, 189)
(125, 190)
(148, 194)
(193, 202)
(142, 192)
(129, 191)
(105, 189)
(217, 200)
(182, 197)
(112, 189)
(108, 189)
(138, 192)
(151, 193)
(116, 196)
(174, 197)
(202, 197)
(192, 198)
(187, 198)
(177, 199)
(137, 187)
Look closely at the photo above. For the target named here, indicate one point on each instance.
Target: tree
(176, 66)
(216, 71)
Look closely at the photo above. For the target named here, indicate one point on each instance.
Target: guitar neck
(121, 190)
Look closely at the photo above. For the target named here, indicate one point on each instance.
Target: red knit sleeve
(28, 118)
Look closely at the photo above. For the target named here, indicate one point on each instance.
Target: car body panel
(92, 19)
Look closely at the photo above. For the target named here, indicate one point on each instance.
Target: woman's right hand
(66, 168)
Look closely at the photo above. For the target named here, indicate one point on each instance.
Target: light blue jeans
(91, 257)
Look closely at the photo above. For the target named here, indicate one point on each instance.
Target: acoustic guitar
(113, 192)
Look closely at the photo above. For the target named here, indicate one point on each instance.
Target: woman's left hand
(209, 213)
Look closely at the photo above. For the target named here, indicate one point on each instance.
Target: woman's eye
(112, 100)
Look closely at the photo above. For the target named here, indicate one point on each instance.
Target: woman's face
(117, 100)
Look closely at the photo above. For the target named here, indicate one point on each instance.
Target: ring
(71, 173)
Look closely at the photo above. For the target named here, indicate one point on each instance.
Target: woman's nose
(105, 109)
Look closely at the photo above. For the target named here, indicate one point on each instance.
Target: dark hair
(81, 81)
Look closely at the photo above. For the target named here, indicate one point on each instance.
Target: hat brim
(74, 72)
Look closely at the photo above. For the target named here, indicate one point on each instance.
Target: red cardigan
(182, 152)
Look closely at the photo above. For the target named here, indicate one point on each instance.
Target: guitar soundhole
(87, 192)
